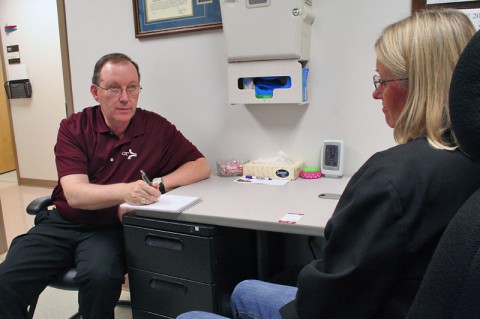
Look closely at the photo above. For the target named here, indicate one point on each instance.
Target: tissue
(278, 167)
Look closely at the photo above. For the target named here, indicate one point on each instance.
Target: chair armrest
(39, 204)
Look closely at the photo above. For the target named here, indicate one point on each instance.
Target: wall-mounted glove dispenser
(267, 43)
(18, 89)
(267, 82)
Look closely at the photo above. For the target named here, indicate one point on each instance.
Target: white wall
(35, 120)
(184, 78)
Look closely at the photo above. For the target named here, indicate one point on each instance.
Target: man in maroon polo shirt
(99, 154)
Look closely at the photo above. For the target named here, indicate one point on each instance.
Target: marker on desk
(257, 177)
(145, 178)
(329, 196)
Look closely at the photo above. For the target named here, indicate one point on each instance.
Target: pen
(257, 177)
(145, 178)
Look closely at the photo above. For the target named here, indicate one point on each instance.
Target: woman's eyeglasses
(377, 81)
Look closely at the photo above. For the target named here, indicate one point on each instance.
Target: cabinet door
(7, 157)
(3, 237)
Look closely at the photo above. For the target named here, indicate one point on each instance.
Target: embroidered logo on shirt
(130, 154)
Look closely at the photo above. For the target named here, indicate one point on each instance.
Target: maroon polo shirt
(85, 145)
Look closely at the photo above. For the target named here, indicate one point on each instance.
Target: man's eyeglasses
(132, 90)
(377, 81)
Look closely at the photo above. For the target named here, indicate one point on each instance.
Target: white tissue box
(273, 170)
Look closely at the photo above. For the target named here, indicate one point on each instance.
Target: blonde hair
(425, 48)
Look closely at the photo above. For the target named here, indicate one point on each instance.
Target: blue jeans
(253, 299)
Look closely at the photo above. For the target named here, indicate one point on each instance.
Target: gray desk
(260, 207)
(193, 260)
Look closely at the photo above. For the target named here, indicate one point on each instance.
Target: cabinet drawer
(170, 296)
(170, 253)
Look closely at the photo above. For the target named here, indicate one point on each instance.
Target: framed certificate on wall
(157, 17)
(470, 7)
(465, 4)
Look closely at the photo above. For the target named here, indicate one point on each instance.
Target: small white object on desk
(291, 218)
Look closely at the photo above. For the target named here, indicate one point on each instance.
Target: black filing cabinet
(175, 267)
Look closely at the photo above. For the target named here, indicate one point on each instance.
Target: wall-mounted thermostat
(333, 155)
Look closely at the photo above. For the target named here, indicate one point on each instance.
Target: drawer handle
(168, 286)
(164, 242)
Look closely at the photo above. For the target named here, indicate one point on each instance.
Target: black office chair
(65, 280)
(451, 286)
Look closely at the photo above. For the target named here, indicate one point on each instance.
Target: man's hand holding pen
(141, 192)
(150, 194)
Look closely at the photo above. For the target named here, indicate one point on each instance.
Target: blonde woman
(395, 208)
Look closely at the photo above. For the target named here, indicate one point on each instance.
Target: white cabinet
(267, 43)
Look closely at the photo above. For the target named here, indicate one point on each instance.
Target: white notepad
(168, 204)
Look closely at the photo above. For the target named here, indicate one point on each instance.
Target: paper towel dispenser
(267, 29)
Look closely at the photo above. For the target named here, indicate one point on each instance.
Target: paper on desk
(276, 182)
(167, 203)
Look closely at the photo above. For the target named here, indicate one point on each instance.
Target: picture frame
(430, 4)
(162, 17)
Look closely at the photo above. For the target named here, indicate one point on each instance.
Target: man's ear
(94, 91)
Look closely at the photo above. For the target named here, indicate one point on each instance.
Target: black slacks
(34, 259)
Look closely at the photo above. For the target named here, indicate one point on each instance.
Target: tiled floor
(53, 303)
